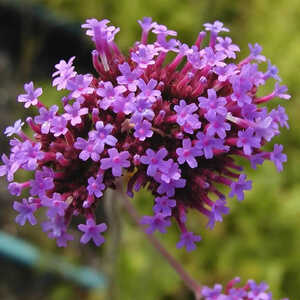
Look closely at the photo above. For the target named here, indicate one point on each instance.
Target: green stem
(187, 279)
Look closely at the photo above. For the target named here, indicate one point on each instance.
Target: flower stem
(187, 279)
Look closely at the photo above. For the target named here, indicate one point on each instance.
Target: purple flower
(214, 59)
(278, 157)
(213, 104)
(216, 27)
(129, 78)
(74, 113)
(102, 136)
(41, 184)
(279, 116)
(225, 45)
(157, 222)
(26, 210)
(143, 130)
(169, 171)
(217, 125)
(256, 159)
(238, 188)
(95, 186)
(144, 55)
(163, 30)
(89, 149)
(218, 209)
(9, 168)
(154, 160)
(92, 231)
(271, 72)
(56, 226)
(65, 71)
(257, 291)
(31, 96)
(164, 205)
(247, 140)
(280, 91)
(188, 240)
(46, 117)
(188, 153)
(57, 207)
(255, 52)
(116, 161)
(29, 155)
(59, 126)
(225, 72)
(213, 293)
(147, 24)
(241, 86)
(109, 94)
(207, 143)
(165, 46)
(80, 85)
(148, 91)
(16, 129)
(169, 187)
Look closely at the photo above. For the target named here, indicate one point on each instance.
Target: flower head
(172, 116)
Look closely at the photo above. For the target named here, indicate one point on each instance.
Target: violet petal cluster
(172, 116)
(250, 291)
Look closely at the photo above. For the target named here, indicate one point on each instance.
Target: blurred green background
(260, 239)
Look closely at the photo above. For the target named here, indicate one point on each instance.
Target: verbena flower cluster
(251, 291)
(174, 124)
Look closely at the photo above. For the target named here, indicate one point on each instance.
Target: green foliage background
(260, 239)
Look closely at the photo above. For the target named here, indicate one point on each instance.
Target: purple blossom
(57, 207)
(247, 140)
(59, 126)
(165, 46)
(241, 86)
(217, 125)
(29, 155)
(74, 113)
(238, 188)
(56, 226)
(142, 109)
(164, 205)
(280, 91)
(207, 143)
(129, 78)
(109, 94)
(102, 136)
(143, 130)
(213, 293)
(95, 186)
(31, 96)
(225, 45)
(169, 187)
(225, 72)
(144, 55)
(148, 90)
(116, 161)
(62, 240)
(188, 240)
(89, 149)
(15, 188)
(26, 210)
(213, 104)
(157, 222)
(80, 85)
(255, 52)
(264, 129)
(154, 160)
(92, 231)
(188, 153)
(185, 116)
(65, 71)
(257, 291)
(163, 30)
(278, 157)
(147, 24)
(279, 116)
(9, 168)
(256, 159)
(218, 209)
(41, 184)
(195, 57)
(272, 72)
(214, 58)
(16, 129)
(46, 117)
(216, 27)
(169, 171)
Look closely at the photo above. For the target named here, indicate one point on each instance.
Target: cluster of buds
(251, 291)
(174, 127)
